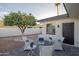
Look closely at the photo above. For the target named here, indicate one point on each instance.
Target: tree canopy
(21, 20)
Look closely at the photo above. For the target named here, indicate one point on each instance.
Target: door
(68, 33)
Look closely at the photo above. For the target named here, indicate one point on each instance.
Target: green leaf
(22, 20)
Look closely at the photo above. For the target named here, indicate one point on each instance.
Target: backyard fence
(5, 32)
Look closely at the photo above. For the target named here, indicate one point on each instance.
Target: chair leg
(30, 53)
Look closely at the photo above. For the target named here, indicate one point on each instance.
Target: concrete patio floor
(68, 51)
(10, 47)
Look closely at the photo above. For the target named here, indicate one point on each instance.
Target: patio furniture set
(45, 49)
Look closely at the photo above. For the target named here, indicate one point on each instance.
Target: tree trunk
(24, 38)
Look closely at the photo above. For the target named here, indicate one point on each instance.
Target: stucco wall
(59, 30)
(5, 32)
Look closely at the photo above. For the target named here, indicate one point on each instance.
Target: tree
(19, 19)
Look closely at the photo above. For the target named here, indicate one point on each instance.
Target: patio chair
(58, 43)
(30, 49)
(57, 40)
(40, 39)
(50, 37)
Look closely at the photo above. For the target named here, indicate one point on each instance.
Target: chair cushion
(41, 39)
(31, 44)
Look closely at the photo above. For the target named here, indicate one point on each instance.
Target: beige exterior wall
(59, 30)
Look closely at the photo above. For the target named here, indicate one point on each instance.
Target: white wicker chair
(39, 41)
(58, 41)
(30, 48)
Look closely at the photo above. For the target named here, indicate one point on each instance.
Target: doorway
(68, 33)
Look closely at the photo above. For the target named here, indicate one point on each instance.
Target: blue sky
(39, 10)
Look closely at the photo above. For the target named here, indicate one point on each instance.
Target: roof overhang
(72, 9)
(53, 18)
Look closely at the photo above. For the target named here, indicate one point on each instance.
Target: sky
(39, 10)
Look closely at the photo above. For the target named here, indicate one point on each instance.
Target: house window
(50, 29)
